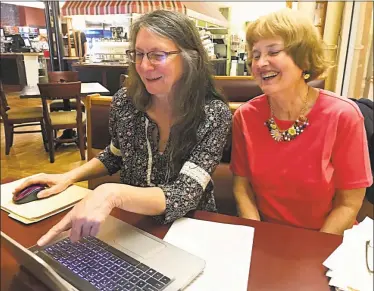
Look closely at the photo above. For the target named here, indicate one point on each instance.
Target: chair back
(122, 80)
(64, 91)
(62, 77)
(245, 88)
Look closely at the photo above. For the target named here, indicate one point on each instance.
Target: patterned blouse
(134, 151)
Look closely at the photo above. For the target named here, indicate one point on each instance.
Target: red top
(295, 181)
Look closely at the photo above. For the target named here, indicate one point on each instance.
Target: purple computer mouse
(28, 194)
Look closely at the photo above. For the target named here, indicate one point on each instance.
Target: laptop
(120, 257)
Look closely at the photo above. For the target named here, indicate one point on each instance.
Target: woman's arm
(90, 170)
(346, 205)
(245, 198)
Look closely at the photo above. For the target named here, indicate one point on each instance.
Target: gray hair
(194, 88)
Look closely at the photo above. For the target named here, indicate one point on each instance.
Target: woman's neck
(288, 104)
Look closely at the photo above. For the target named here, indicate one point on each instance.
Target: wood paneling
(30, 16)
(15, 15)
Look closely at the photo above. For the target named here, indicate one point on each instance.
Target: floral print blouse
(134, 152)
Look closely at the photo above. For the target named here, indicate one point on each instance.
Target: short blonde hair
(302, 41)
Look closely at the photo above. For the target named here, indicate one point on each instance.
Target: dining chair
(55, 120)
(122, 80)
(63, 77)
(13, 118)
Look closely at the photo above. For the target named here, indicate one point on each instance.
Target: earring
(306, 75)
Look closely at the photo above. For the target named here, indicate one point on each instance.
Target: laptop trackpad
(139, 244)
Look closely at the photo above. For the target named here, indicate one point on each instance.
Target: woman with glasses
(168, 129)
(299, 154)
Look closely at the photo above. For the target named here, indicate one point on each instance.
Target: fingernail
(40, 242)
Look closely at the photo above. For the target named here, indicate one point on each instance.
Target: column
(308, 8)
(330, 37)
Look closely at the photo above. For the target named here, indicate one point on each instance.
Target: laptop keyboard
(105, 267)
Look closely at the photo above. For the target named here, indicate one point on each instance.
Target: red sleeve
(238, 164)
(350, 156)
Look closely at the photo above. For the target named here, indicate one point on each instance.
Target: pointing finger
(63, 225)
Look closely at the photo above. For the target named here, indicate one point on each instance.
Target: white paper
(226, 249)
(347, 264)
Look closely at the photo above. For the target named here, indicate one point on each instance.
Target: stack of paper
(350, 263)
(39, 209)
(226, 249)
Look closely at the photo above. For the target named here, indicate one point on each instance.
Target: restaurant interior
(41, 42)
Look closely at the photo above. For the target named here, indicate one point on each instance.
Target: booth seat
(236, 89)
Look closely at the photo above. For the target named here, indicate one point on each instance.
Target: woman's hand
(56, 183)
(85, 218)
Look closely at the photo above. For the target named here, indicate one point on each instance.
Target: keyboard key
(149, 288)
(142, 267)
(131, 269)
(155, 283)
(115, 278)
(110, 285)
(136, 289)
(134, 280)
(109, 265)
(109, 274)
(125, 265)
(121, 272)
(104, 282)
(138, 273)
(165, 280)
(115, 268)
(127, 276)
(157, 276)
(151, 272)
(122, 282)
(141, 283)
(144, 276)
(128, 286)
(98, 277)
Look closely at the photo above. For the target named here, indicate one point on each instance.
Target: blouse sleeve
(350, 156)
(111, 157)
(186, 192)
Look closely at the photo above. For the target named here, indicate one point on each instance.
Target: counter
(106, 74)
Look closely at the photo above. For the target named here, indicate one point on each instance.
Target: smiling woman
(299, 154)
(168, 130)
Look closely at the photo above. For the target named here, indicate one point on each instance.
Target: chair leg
(8, 138)
(81, 143)
(12, 136)
(51, 146)
(44, 136)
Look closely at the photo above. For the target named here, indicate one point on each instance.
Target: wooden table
(86, 89)
(283, 258)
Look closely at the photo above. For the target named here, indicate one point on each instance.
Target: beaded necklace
(296, 128)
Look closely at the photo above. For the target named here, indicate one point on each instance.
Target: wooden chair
(20, 117)
(122, 80)
(63, 77)
(63, 119)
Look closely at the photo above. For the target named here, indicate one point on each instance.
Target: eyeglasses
(368, 257)
(155, 57)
